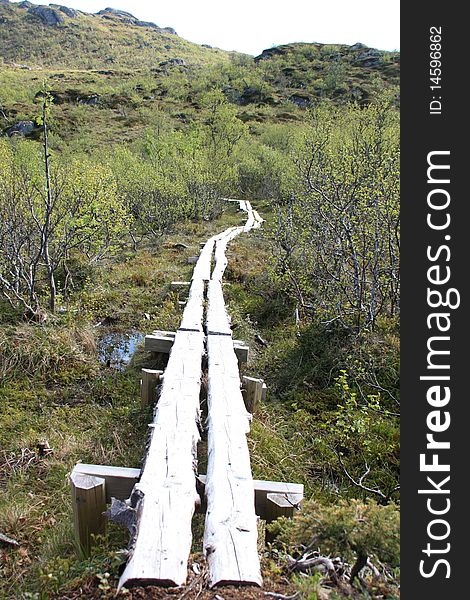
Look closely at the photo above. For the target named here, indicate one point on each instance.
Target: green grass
(54, 389)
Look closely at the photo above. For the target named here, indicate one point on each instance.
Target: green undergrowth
(55, 390)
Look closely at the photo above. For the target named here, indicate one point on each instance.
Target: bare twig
(361, 485)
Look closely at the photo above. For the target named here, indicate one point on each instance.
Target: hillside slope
(59, 36)
(113, 77)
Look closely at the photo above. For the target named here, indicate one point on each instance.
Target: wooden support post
(281, 505)
(241, 350)
(252, 391)
(148, 385)
(89, 504)
(264, 392)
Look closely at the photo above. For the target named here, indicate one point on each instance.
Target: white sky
(252, 25)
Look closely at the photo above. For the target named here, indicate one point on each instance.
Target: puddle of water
(116, 349)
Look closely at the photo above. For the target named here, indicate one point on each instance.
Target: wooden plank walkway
(167, 485)
(230, 535)
(165, 496)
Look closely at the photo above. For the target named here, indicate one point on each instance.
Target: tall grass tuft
(31, 350)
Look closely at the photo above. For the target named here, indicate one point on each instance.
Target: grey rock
(70, 12)
(25, 4)
(300, 100)
(146, 24)
(116, 13)
(122, 513)
(49, 16)
(169, 30)
(21, 128)
(370, 57)
(89, 99)
(173, 62)
(357, 46)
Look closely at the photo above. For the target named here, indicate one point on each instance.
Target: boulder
(300, 100)
(25, 4)
(276, 51)
(49, 16)
(70, 12)
(116, 13)
(173, 62)
(21, 128)
(370, 57)
(358, 46)
(68, 96)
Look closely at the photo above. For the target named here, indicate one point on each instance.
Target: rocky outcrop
(276, 51)
(301, 100)
(71, 96)
(358, 46)
(22, 128)
(369, 57)
(173, 62)
(70, 12)
(125, 17)
(48, 15)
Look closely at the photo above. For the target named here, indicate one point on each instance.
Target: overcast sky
(253, 25)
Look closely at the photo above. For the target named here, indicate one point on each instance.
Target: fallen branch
(282, 596)
(4, 539)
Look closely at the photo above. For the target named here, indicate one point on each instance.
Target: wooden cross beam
(93, 487)
(162, 341)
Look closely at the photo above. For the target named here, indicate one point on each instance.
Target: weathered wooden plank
(119, 480)
(89, 505)
(193, 312)
(202, 270)
(262, 489)
(158, 343)
(167, 487)
(218, 320)
(230, 529)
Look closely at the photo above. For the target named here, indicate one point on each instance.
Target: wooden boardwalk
(165, 497)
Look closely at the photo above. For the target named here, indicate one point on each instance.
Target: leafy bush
(351, 529)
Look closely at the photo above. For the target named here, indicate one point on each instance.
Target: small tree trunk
(47, 224)
(358, 566)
